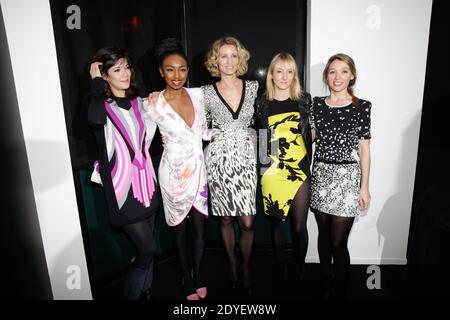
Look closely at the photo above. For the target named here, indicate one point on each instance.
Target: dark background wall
(434, 145)
(429, 236)
(434, 140)
(264, 27)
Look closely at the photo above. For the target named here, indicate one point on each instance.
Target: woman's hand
(364, 198)
(95, 70)
(152, 99)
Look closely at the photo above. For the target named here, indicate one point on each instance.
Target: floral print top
(182, 172)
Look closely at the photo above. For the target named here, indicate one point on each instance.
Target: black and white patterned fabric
(336, 175)
(231, 155)
(339, 129)
(335, 188)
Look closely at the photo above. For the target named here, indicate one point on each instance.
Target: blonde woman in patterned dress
(340, 175)
(230, 157)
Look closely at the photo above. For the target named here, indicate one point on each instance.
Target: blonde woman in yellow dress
(285, 181)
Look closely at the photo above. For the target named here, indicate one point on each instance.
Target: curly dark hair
(168, 47)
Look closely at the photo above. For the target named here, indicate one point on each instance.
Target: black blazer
(261, 120)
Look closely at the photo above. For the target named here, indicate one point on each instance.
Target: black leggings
(190, 263)
(298, 214)
(332, 245)
(246, 224)
(140, 274)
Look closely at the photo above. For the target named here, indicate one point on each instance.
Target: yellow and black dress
(290, 165)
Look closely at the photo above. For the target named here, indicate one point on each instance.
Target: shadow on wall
(396, 210)
(316, 85)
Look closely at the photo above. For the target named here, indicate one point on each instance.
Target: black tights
(191, 269)
(298, 214)
(332, 245)
(245, 243)
(140, 273)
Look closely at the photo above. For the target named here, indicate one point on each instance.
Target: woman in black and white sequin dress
(340, 176)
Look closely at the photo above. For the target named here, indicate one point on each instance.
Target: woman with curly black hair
(179, 114)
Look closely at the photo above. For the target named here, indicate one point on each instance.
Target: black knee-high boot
(138, 282)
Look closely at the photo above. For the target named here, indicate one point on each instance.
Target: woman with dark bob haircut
(125, 168)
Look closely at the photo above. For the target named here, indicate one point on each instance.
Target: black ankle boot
(328, 288)
(146, 295)
(234, 284)
(282, 273)
(247, 289)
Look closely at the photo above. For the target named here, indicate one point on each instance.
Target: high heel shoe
(247, 286)
(146, 295)
(247, 289)
(234, 284)
(193, 296)
(328, 288)
(281, 273)
(202, 292)
(188, 288)
(234, 276)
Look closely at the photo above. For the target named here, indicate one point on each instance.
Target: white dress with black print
(231, 157)
(336, 174)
